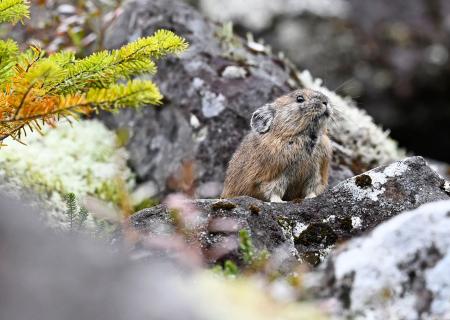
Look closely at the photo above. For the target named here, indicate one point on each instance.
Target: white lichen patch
(198, 83)
(298, 229)
(355, 129)
(82, 158)
(234, 72)
(324, 253)
(447, 187)
(381, 260)
(194, 122)
(356, 222)
(330, 219)
(212, 104)
(256, 46)
(438, 281)
(377, 179)
(396, 169)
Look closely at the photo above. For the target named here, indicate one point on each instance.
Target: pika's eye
(300, 99)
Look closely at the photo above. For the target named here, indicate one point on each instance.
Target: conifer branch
(13, 11)
(35, 88)
(8, 54)
(104, 68)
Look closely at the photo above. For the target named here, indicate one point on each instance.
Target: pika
(287, 153)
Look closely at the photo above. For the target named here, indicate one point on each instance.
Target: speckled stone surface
(308, 230)
(398, 271)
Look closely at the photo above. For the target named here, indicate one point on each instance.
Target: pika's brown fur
(287, 154)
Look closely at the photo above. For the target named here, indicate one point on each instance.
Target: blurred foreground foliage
(37, 89)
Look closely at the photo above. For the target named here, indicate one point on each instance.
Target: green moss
(246, 246)
(108, 190)
(229, 269)
(254, 260)
(123, 136)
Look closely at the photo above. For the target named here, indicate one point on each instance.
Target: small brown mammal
(287, 153)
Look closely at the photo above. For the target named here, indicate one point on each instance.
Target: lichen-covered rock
(399, 271)
(309, 229)
(210, 93)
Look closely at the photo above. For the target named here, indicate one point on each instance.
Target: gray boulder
(308, 230)
(398, 271)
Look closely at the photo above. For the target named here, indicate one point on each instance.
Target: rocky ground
(399, 270)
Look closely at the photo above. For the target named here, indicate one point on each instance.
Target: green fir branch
(104, 68)
(13, 11)
(37, 88)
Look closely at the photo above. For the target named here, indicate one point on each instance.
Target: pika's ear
(262, 118)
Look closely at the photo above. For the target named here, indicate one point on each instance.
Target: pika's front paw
(311, 195)
(275, 198)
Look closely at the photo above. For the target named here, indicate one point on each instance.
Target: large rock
(309, 229)
(398, 271)
(210, 93)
